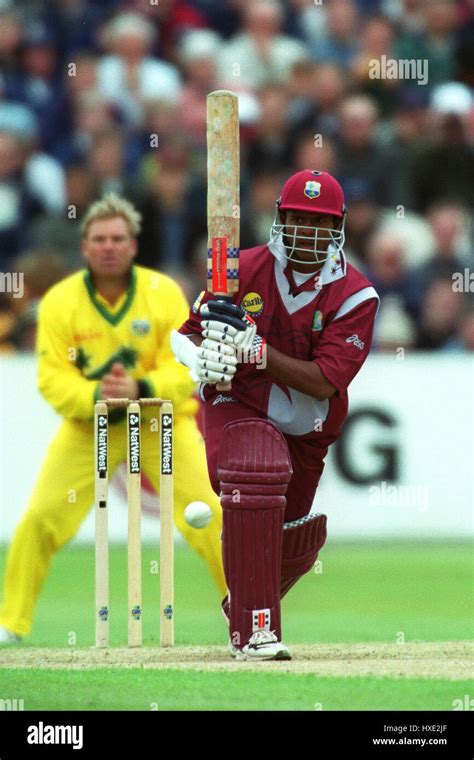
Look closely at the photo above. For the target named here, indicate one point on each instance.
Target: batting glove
(211, 362)
(216, 362)
(230, 324)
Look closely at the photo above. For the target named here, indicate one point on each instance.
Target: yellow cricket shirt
(80, 336)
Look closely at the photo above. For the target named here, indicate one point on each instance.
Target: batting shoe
(7, 637)
(263, 645)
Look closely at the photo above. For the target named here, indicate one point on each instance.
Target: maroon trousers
(306, 458)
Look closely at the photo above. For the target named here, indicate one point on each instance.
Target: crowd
(110, 95)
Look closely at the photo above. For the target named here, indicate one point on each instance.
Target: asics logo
(358, 343)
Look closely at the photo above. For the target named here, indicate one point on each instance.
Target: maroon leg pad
(302, 540)
(254, 469)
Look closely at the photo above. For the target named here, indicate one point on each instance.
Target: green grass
(367, 592)
(178, 690)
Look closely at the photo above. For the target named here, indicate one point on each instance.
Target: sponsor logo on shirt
(358, 343)
(336, 265)
(81, 337)
(253, 304)
(140, 327)
(220, 399)
(317, 320)
(312, 189)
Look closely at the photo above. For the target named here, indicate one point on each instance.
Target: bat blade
(223, 194)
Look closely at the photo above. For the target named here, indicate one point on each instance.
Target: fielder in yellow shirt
(104, 332)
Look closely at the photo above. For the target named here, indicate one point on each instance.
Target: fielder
(104, 332)
(298, 331)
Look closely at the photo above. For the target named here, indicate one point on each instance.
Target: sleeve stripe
(357, 298)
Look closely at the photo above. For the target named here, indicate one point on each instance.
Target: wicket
(134, 546)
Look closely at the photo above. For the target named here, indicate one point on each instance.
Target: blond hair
(109, 206)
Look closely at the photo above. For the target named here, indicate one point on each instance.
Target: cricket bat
(223, 195)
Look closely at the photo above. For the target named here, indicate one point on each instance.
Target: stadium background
(98, 96)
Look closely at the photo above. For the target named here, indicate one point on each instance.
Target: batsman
(275, 361)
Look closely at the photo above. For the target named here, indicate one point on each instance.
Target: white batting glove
(216, 362)
(250, 347)
(211, 362)
(218, 331)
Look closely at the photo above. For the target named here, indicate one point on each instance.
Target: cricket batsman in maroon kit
(298, 331)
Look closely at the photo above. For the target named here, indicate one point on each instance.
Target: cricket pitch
(452, 660)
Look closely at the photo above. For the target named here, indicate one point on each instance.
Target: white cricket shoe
(7, 637)
(263, 645)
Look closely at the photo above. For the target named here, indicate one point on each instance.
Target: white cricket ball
(198, 514)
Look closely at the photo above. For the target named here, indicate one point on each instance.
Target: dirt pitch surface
(451, 660)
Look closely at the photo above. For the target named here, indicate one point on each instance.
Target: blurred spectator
(38, 84)
(43, 175)
(464, 338)
(8, 321)
(311, 20)
(402, 138)
(198, 53)
(271, 146)
(23, 336)
(444, 166)
(441, 313)
(449, 228)
(361, 221)
(82, 76)
(338, 42)
(300, 91)
(17, 204)
(407, 14)
(170, 222)
(359, 153)
(394, 328)
(387, 270)
(259, 54)
(174, 18)
(222, 15)
(377, 40)
(265, 189)
(107, 162)
(319, 110)
(40, 269)
(75, 24)
(436, 43)
(314, 155)
(412, 229)
(64, 229)
(159, 132)
(129, 75)
(91, 116)
(10, 38)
